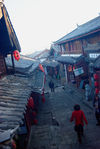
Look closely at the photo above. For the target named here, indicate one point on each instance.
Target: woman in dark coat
(51, 85)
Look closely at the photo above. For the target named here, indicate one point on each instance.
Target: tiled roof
(39, 54)
(66, 59)
(50, 63)
(15, 91)
(81, 30)
(14, 94)
(24, 65)
(70, 59)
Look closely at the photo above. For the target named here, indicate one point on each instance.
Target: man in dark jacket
(51, 85)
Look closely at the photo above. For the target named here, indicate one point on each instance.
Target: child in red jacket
(79, 117)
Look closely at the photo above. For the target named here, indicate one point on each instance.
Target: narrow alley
(54, 129)
(45, 76)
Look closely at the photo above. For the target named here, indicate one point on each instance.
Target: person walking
(51, 85)
(96, 104)
(79, 117)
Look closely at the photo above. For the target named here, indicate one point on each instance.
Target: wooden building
(76, 69)
(8, 39)
(15, 117)
(52, 68)
(97, 74)
(85, 39)
(15, 90)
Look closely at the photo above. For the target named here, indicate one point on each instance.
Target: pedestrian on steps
(51, 85)
(79, 117)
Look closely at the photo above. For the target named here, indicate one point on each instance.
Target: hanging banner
(78, 71)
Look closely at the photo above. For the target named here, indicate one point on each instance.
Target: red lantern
(13, 144)
(16, 55)
(43, 97)
(96, 90)
(34, 113)
(95, 76)
(96, 84)
(69, 68)
(35, 121)
(31, 103)
(73, 67)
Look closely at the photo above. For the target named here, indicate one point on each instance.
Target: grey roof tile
(88, 27)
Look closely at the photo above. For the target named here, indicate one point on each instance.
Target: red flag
(41, 68)
(44, 79)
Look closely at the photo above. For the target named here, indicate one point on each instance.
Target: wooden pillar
(83, 52)
(13, 65)
(65, 73)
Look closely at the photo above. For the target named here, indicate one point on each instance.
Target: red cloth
(35, 121)
(31, 103)
(13, 144)
(34, 113)
(43, 97)
(79, 117)
(41, 68)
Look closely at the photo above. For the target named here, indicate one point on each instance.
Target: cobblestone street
(54, 130)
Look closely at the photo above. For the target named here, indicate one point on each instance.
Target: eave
(79, 37)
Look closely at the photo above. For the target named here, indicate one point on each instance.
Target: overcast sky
(38, 23)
